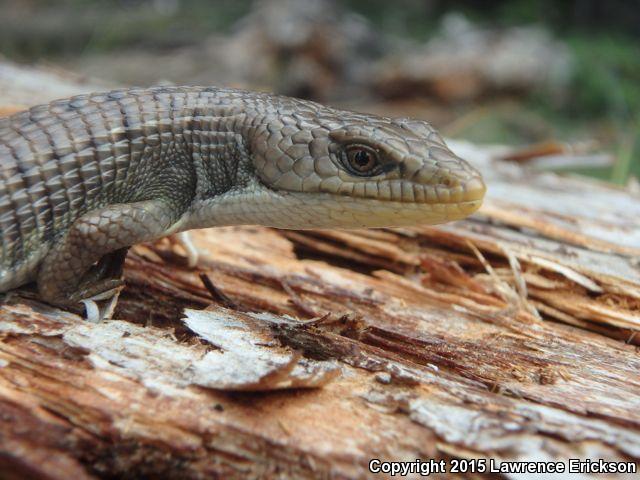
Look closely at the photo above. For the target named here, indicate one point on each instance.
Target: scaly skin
(82, 179)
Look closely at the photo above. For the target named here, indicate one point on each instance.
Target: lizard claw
(109, 299)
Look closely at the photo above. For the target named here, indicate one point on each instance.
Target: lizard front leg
(86, 263)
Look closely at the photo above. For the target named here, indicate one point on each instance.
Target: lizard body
(84, 178)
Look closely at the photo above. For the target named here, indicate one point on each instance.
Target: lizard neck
(217, 139)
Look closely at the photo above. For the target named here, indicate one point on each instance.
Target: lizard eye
(361, 160)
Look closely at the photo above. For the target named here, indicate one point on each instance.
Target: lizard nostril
(449, 181)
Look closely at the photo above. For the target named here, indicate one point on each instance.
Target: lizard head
(346, 170)
(312, 166)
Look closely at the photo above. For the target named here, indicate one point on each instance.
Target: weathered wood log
(289, 354)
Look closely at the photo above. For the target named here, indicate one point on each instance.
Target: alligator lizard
(84, 178)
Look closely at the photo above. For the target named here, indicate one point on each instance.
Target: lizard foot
(98, 297)
(101, 306)
(99, 288)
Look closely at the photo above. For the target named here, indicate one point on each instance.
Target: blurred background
(557, 80)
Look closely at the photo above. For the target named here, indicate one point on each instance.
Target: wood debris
(305, 354)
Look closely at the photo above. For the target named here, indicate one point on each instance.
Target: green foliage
(605, 92)
(607, 76)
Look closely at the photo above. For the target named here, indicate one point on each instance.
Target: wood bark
(305, 354)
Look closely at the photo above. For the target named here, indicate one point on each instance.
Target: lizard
(84, 178)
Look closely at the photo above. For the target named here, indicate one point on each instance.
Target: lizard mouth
(389, 213)
(406, 192)
(326, 210)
